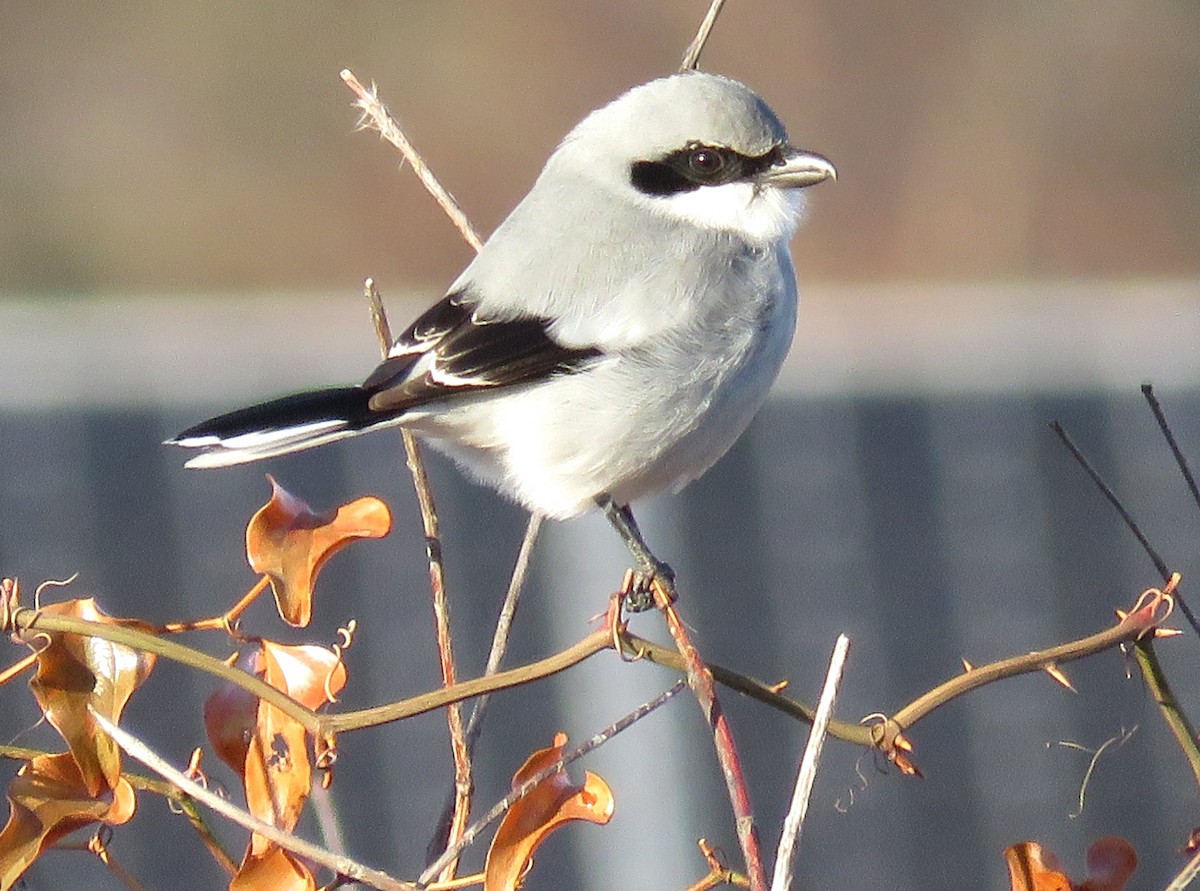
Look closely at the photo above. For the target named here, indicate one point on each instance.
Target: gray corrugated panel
(928, 530)
(993, 528)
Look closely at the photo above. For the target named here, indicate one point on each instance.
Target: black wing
(449, 350)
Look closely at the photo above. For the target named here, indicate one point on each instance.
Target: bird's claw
(637, 591)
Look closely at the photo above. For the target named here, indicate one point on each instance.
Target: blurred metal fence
(929, 529)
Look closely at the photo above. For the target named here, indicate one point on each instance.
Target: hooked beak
(798, 169)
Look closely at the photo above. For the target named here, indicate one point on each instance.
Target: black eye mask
(698, 165)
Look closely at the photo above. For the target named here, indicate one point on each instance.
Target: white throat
(757, 213)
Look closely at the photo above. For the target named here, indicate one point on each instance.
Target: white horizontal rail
(876, 338)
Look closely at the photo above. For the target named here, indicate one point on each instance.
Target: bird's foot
(653, 579)
(638, 589)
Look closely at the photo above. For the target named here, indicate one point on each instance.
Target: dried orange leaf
(1032, 868)
(1110, 861)
(268, 749)
(278, 769)
(278, 774)
(231, 712)
(552, 803)
(48, 798)
(290, 543)
(308, 673)
(1193, 842)
(273, 870)
(76, 673)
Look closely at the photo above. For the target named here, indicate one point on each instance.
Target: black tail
(281, 426)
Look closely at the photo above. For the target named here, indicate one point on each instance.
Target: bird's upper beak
(798, 169)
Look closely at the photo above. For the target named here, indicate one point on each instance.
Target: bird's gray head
(698, 147)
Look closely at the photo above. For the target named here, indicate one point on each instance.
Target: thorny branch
(1138, 627)
(1141, 623)
(1152, 672)
(700, 680)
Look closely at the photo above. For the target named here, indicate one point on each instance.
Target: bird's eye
(706, 161)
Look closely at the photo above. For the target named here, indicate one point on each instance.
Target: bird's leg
(649, 568)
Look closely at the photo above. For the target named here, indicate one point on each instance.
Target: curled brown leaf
(554, 802)
(272, 869)
(76, 674)
(290, 543)
(1111, 861)
(231, 713)
(269, 750)
(1033, 868)
(48, 799)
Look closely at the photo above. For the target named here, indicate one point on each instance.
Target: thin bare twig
(691, 56)
(98, 846)
(19, 666)
(379, 316)
(1159, 563)
(327, 818)
(463, 782)
(196, 819)
(1180, 461)
(504, 804)
(1186, 875)
(376, 115)
(228, 620)
(504, 622)
(1168, 434)
(1177, 721)
(718, 873)
(789, 839)
(139, 751)
(495, 657)
(1152, 609)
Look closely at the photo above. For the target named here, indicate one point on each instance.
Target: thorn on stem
(1057, 674)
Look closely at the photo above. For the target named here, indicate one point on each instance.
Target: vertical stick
(789, 839)
(691, 56)
(463, 783)
(700, 680)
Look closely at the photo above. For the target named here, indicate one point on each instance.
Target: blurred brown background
(200, 147)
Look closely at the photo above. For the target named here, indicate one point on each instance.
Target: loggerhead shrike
(616, 333)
